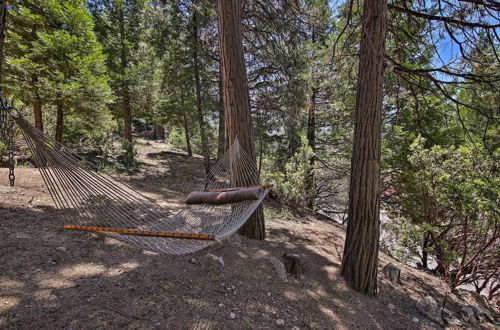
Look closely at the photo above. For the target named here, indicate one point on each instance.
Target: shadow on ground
(53, 278)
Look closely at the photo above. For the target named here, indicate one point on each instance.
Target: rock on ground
(429, 307)
(392, 272)
(279, 267)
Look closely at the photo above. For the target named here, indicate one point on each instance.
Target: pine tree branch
(444, 19)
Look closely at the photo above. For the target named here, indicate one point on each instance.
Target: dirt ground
(52, 278)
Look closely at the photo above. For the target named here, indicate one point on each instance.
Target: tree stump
(293, 265)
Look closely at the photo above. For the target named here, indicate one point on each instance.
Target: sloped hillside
(53, 278)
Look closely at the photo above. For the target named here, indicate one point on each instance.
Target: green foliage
(128, 156)
(176, 139)
(53, 59)
(290, 182)
(451, 194)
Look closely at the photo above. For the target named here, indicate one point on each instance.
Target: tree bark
(201, 121)
(425, 253)
(3, 17)
(37, 112)
(360, 259)
(59, 123)
(158, 132)
(127, 111)
(237, 100)
(221, 141)
(186, 128)
(311, 140)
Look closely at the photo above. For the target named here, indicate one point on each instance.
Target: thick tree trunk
(201, 121)
(59, 123)
(221, 141)
(236, 99)
(360, 260)
(311, 140)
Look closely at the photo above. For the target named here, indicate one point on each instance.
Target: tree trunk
(237, 100)
(59, 123)
(221, 143)
(311, 140)
(158, 132)
(3, 16)
(360, 259)
(186, 128)
(201, 121)
(37, 112)
(127, 111)
(425, 253)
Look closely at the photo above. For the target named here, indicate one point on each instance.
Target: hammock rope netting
(98, 202)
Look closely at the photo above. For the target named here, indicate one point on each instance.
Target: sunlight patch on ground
(8, 284)
(331, 272)
(203, 324)
(293, 296)
(114, 242)
(55, 283)
(242, 255)
(45, 294)
(122, 268)
(7, 302)
(330, 315)
(82, 270)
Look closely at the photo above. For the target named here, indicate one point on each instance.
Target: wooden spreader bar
(143, 232)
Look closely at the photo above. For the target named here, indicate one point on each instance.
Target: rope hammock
(98, 202)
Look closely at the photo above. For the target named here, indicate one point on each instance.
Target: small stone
(429, 307)
(269, 294)
(280, 269)
(61, 248)
(221, 305)
(220, 260)
(468, 315)
(234, 239)
(192, 260)
(280, 323)
(450, 319)
(232, 316)
(482, 314)
(295, 328)
(453, 322)
(415, 320)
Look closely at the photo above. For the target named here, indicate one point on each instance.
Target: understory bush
(445, 207)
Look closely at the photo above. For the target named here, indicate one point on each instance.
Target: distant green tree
(53, 58)
(121, 29)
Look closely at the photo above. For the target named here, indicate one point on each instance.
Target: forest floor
(53, 278)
